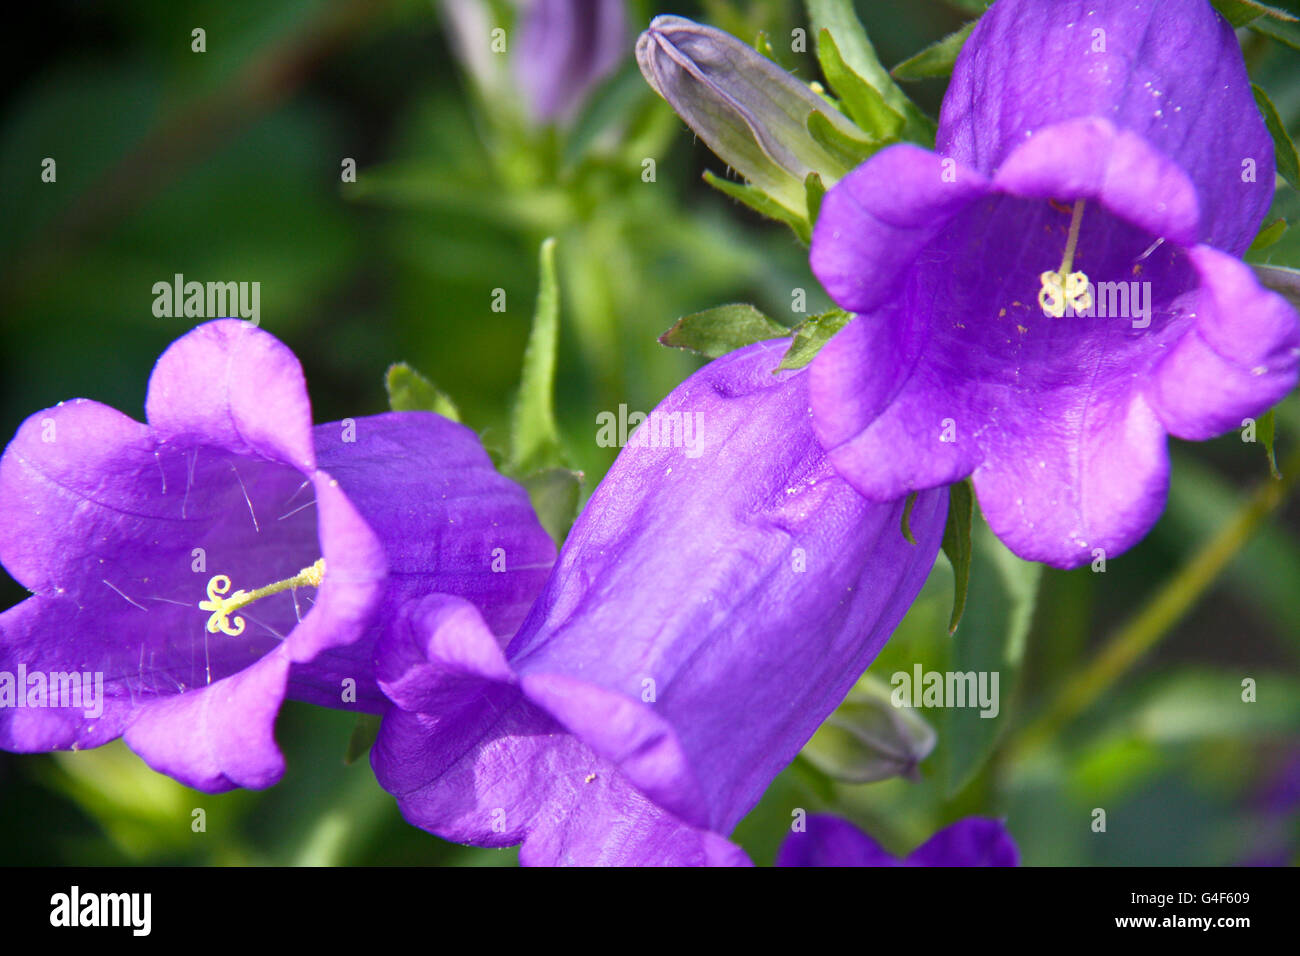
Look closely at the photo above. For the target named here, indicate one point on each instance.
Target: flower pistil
(1064, 286)
(222, 607)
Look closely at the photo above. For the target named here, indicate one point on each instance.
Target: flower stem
(1171, 602)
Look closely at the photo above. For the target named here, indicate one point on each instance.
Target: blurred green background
(225, 165)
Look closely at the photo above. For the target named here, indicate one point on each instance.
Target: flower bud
(751, 113)
(867, 738)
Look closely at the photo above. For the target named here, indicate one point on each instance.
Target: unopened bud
(867, 738)
(751, 113)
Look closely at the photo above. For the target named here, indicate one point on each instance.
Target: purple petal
(832, 841)
(1091, 159)
(219, 736)
(449, 523)
(689, 557)
(1168, 71)
(893, 428)
(974, 841)
(469, 758)
(877, 219)
(229, 384)
(1096, 480)
(1239, 360)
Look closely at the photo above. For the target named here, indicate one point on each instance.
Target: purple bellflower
(131, 537)
(562, 50)
(1057, 287)
(833, 841)
(714, 602)
(566, 48)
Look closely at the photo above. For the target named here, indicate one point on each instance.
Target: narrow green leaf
(854, 48)
(1286, 33)
(816, 190)
(554, 493)
(957, 545)
(935, 60)
(409, 391)
(1268, 235)
(762, 204)
(1000, 609)
(857, 53)
(364, 732)
(906, 527)
(849, 152)
(865, 104)
(1284, 151)
(715, 332)
(534, 435)
(1264, 429)
(809, 337)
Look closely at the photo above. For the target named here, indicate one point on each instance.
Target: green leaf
(935, 60)
(846, 150)
(1264, 429)
(364, 732)
(1241, 12)
(957, 545)
(865, 104)
(762, 204)
(859, 56)
(1286, 33)
(906, 524)
(810, 335)
(1268, 235)
(1284, 151)
(554, 493)
(815, 189)
(867, 738)
(999, 611)
(534, 435)
(717, 331)
(409, 391)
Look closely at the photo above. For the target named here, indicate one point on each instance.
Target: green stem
(1174, 599)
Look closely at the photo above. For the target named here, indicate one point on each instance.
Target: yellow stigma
(1064, 286)
(222, 607)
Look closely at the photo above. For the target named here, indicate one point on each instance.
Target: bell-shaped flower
(188, 573)
(1057, 288)
(715, 601)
